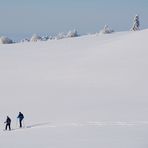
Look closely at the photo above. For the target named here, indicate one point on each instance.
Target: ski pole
(24, 123)
(16, 122)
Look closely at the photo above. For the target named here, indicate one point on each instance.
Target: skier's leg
(9, 127)
(20, 123)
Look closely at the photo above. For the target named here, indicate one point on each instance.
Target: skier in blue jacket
(20, 117)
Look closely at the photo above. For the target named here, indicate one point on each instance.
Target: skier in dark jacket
(20, 117)
(8, 123)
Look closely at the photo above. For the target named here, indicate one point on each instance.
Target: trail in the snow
(83, 124)
(109, 123)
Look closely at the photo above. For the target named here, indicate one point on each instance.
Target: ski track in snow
(83, 124)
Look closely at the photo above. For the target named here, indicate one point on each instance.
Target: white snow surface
(85, 92)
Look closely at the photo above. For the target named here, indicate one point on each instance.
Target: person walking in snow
(8, 123)
(20, 117)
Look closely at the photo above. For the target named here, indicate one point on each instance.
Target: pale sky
(25, 17)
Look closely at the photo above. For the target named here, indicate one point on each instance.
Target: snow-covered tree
(50, 38)
(136, 24)
(106, 30)
(71, 34)
(5, 40)
(25, 40)
(45, 38)
(35, 38)
(60, 36)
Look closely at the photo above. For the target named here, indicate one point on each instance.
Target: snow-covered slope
(85, 92)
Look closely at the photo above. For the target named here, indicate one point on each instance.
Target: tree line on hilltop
(70, 34)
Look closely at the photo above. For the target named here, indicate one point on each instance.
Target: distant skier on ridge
(8, 123)
(20, 117)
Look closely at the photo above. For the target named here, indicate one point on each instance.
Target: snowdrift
(5, 40)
